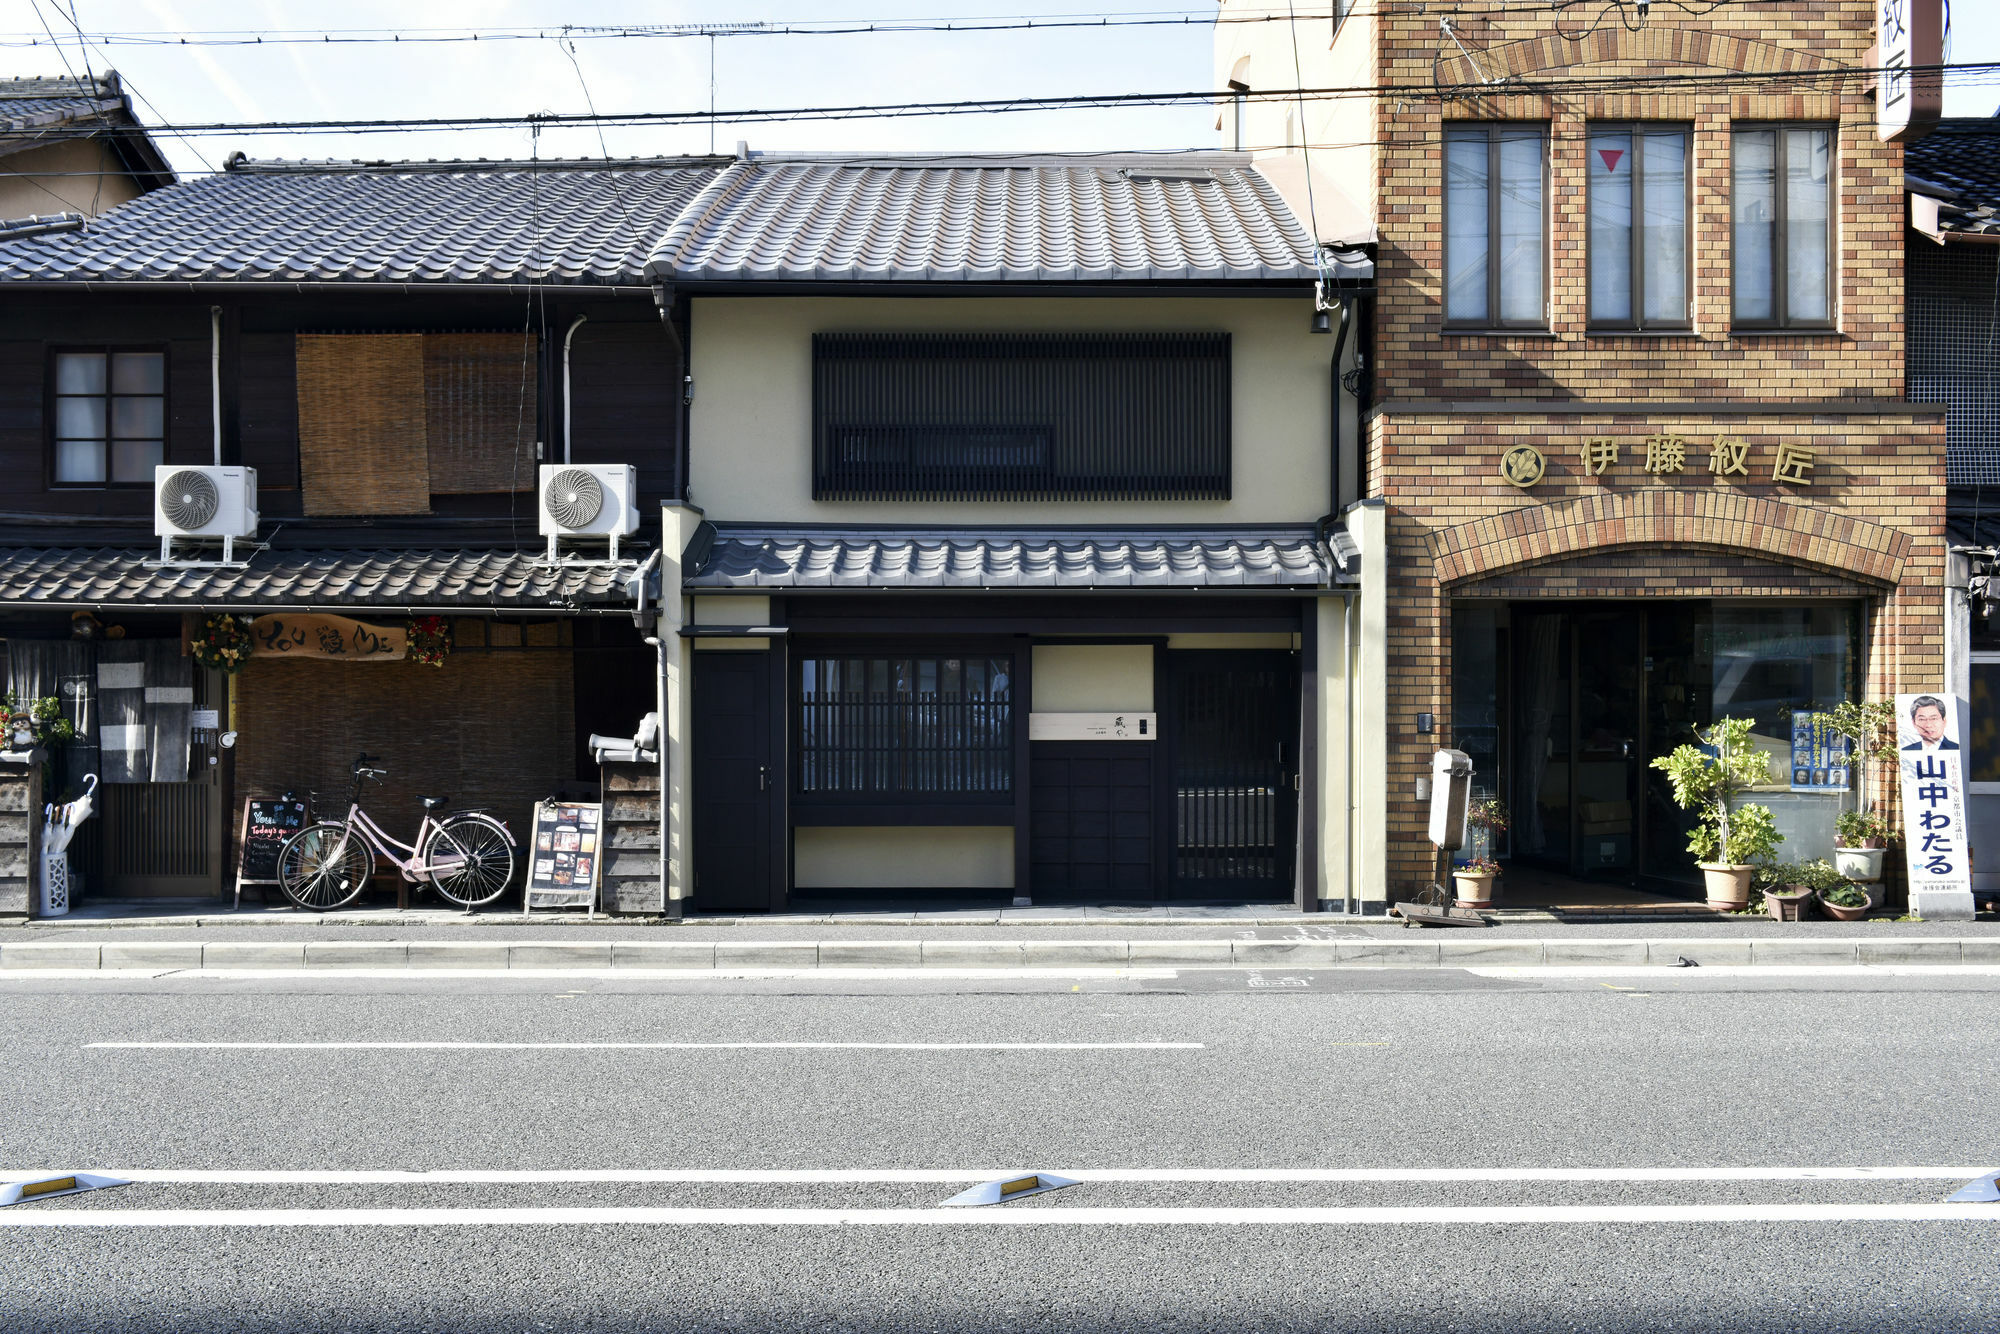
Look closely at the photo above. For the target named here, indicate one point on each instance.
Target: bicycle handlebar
(363, 766)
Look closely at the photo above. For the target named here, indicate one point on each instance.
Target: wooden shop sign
(315, 635)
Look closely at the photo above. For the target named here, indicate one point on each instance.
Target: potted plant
(1487, 817)
(1787, 891)
(1472, 883)
(1845, 901)
(1860, 840)
(1727, 844)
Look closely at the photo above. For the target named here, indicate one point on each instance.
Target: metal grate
(1953, 296)
(1021, 416)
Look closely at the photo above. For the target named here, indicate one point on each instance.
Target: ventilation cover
(574, 498)
(189, 499)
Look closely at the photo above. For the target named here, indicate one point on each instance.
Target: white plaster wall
(752, 412)
(1093, 678)
(904, 858)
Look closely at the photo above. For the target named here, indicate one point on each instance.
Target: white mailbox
(1451, 784)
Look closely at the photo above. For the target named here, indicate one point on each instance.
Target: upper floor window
(1021, 416)
(1781, 204)
(110, 417)
(1495, 225)
(1638, 227)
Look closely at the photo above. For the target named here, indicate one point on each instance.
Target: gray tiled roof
(1068, 219)
(807, 558)
(108, 577)
(450, 223)
(1959, 163)
(38, 103)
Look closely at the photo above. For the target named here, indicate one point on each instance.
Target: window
(110, 417)
(1782, 208)
(388, 421)
(919, 725)
(1495, 226)
(1021, 416)
(1638, 227)
(1982, 764)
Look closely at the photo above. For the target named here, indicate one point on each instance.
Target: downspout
(575, 324)
(215, 376)
(663, 298)
(1353, 805)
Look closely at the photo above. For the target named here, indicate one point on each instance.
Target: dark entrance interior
(736, 812)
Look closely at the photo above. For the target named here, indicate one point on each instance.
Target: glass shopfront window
(1562, 706)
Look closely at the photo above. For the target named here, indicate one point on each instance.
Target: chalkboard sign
(267, 823)
(565, 856)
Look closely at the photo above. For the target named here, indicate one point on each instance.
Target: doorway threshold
(1535, 894)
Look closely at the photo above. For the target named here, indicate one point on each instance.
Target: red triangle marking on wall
(1611, 157)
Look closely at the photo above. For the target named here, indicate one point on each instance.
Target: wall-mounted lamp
(1426, 724)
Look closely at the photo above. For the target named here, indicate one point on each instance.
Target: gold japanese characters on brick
(1667, 455)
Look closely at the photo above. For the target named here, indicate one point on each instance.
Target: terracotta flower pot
(1842, 914)
(1473, 889)
(1728, 885)
(1862, 865)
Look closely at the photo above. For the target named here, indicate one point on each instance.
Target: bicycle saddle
(432, 803)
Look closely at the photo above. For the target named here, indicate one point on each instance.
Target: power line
(1568, 86)
(813, 28)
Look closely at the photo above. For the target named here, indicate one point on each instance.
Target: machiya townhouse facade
(1638, 409)
(985, 528)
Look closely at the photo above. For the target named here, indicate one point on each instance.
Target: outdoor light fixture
(1426, 724)
(1322, 321)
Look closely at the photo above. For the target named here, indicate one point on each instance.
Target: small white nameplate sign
(1093, 726)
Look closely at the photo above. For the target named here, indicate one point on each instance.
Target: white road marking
(1656, 972)
(321, 972)
(644, 1046)
(950, 1175)
(1057, 1216)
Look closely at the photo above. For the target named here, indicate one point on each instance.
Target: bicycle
(467, 856)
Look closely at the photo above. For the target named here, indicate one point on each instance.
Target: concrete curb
(706, 956)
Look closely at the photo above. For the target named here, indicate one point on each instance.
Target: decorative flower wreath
(430, 641)
(223, 643)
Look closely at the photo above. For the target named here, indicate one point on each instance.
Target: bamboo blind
(361, 424)
(481, 405)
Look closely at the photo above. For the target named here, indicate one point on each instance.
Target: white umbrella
(59, 823)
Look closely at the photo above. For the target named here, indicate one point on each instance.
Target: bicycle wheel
(471, 859)
(322, 867)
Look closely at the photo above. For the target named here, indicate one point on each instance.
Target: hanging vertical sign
(1935, 837)
(1909, 34)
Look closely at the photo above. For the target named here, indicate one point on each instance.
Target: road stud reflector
(1980, 1190)
(1009, 1188)
(48, 1187)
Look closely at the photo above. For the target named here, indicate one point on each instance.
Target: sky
(330, 81)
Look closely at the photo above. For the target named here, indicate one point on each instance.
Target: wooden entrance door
(1090, 832)
(735, 779)
(1231, 727)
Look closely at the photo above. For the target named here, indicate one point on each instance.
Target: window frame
(52, 397)
(1976, 658)
(1635, 279)
(1781, 294)
(1492, 130)
(874, 805)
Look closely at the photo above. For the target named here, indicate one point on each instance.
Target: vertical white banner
(1936, 842)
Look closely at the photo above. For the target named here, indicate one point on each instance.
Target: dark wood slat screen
(906, 726)
(361, 424)
(480, 408)
(1021, 416)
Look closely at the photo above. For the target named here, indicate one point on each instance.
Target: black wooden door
(1232, 729)
(735, 783)
(1090, 832)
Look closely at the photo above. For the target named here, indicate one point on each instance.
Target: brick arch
(1663, 518)
(1662, 45)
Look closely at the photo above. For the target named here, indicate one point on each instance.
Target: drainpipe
(663, 297)
(575, 324)
(1353, 806)
(215, 376)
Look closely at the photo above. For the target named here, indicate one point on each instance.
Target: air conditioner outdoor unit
(203, 504)
(588, 500)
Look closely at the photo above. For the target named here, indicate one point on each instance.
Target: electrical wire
(1720, 82)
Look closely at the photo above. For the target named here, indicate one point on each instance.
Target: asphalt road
(594, 1087)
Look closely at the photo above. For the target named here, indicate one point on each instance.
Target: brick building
(1636, 412)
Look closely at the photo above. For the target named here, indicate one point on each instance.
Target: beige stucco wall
(75, 176)
(1278, 640)
(1340, 131)
(752, 411)
(729, 611)
(943, 858)
(1093, 678)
